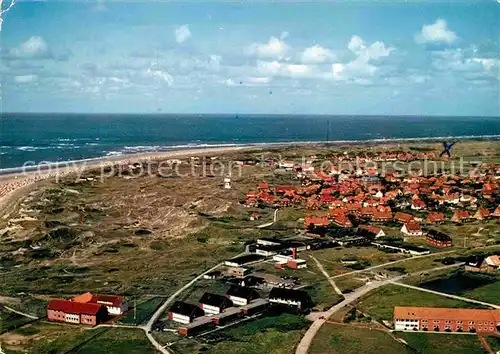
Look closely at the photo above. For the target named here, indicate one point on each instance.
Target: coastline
(193, 148)
(13, 179)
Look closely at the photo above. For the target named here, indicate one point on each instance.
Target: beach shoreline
(13, 171)
(11, 180)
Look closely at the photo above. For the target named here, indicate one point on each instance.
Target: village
(377, 221)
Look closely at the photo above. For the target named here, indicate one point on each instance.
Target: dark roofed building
(242, 260)
(251, 280)
(214, 304)
(241, 295)
(184, 312)
(438, 239)
(290, 297)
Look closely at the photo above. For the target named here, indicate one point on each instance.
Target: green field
(494, 342)
(351, 340)
(432, 343)
(270, 335)
(10, 320)
(45, 338)
(488, 293)
(117, 340)
(380, 303)
(143, 312)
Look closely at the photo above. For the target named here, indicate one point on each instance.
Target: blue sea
(65, 137)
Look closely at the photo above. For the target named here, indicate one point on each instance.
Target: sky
(353, 57)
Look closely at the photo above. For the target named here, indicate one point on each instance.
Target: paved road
(445, 294)
(275, 218)
(390, 263)
(20, 313)
(330, 279)
(306, 340)
(162, 308)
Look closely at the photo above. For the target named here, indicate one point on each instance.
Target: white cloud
(182, 34)
(165, 76)
(361, 67)
(316, 54)
(438, 32)
(25, 79)
(274, 48)
(374, 51)
(489, 64)
(34, 47)
(259, 80)
(249, 81)
(267, 67)
(297, 70)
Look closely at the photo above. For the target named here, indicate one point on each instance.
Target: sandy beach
(12, 182)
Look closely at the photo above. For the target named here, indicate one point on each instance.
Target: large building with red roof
(68, 311)
(114, 304)
(446, 319)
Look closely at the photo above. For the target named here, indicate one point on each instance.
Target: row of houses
(86, 309)
(446, 319)
(239, 301)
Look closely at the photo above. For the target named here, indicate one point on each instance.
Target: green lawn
(10, 320)
(44, 338)
(117, 340)
(269, 335)
(432, 343)
(347, 339)
(494, 342)
(380, 303)
(144, 311)
(488, 293)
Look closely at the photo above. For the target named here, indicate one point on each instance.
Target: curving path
(162, 308)
(20, 313)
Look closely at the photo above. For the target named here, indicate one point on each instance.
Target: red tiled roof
(342, 220)
(461, 214)
(403, 217)
(412, 226)
(108, 300)
(317, 221)
(435, 217)
(74, 307)
(451, 314)
(382, 215)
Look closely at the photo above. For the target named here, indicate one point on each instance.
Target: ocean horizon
(58, 137)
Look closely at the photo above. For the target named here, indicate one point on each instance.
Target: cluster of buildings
(239, 302)
(369, 194)
(86, 309)
(482, 264)
(365, 196)
(446, 319)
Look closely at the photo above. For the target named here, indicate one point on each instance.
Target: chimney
(294, 253)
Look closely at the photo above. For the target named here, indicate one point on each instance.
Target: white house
(412, 229)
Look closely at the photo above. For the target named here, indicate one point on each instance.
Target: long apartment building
(446, 319)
